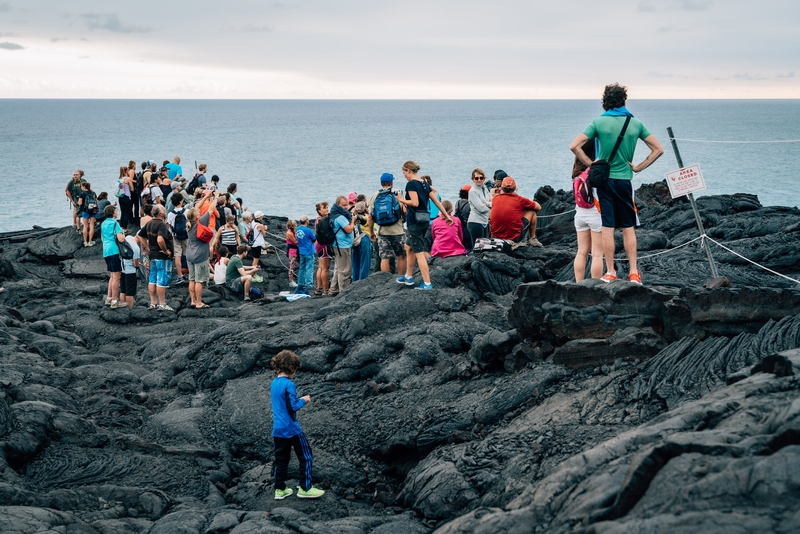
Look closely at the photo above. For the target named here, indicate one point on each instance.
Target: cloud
(111, 23)
(789, 74)
(656, 74)
(694, 5)
(748, 77)
(57, 39)
(665, 29)
(256, 28)
(11, 46)
(4, 7)
(647, 7)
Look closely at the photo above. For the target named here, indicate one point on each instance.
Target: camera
(489, 184)
(360, 219)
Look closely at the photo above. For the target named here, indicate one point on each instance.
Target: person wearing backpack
(124, 189)
(256, 232)
(177, 224)
(342, 222)
(305, 247)
(128, 280)
(111, 233)
(588, 223)
(387, 215)
(87, 204)
(462, 213)
(418, 219)
(324, 252)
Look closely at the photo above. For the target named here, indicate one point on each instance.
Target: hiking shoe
(282, 494)
(293, 284)
(609, 277)
(247, 299)
(85, 243)
(406, 280)
(535, 242)
(423, 286)
(91, 243)
(258, 279)
(312, 493)
(179, 280)
(635, 278)
(119, 304)
(108, 301)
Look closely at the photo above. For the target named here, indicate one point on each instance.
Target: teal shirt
(108, 232)
(607, 129)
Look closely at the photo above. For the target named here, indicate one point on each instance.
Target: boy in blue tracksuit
(286, 430)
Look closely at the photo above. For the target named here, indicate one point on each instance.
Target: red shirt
(506, 215)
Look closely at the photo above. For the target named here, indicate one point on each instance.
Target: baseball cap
(303, 218)
(258, 214)
(387, 178)
(361, 207)
(175, 184)
(466, 187)
(508, 182)
(351, 198)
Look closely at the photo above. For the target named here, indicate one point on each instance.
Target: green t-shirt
(74, 189)
(232, 271)
(607, 129)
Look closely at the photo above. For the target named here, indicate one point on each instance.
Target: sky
(356, 49)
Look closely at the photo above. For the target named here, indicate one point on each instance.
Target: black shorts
(415, 237)
(525, 232)
(255, 252)
(617, 208)
(113, 264)
(127, 284)
(232, 249)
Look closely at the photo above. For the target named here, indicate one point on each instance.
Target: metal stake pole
(694, 207)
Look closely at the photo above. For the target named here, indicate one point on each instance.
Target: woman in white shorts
(588, 224)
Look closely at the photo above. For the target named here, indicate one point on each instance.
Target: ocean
(286, 155)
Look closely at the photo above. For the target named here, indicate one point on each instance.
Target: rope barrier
(663, 251)
(754, 263)
(556, 215)
(738, 142)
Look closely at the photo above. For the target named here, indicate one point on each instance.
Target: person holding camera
(343, 227)
(388, 215)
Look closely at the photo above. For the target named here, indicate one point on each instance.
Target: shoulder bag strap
(619, 139)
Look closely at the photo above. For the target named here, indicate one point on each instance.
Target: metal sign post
(694, 208)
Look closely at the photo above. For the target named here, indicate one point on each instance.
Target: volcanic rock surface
(509, 399)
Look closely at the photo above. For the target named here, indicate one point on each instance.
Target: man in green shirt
(617, 207)
(237, 276)
(73, 191)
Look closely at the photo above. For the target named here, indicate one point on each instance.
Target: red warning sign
(686, 180)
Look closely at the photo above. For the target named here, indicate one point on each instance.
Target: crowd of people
(191, 227)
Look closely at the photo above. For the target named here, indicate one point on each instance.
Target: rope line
(663, 251)
(556, 215)
(754, 263)
(737, 142)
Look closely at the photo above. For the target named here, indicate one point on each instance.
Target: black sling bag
(601, 169)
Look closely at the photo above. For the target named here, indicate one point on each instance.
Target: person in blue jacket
(286, 431)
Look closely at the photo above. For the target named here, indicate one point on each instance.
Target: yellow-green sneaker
(282, 494)
(312, 493)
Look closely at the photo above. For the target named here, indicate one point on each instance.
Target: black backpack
(139, 182)
(193, 184)
(125, 250)
(462, 211)
(325, 233)
(180, 226)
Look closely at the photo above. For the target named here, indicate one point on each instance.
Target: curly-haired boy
(286, 430)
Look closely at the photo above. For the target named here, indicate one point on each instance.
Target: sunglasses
(478, 177)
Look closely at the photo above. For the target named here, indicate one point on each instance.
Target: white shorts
(588, 219)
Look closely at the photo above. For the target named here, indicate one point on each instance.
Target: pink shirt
(447, 239)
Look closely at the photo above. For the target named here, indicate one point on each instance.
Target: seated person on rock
(513, 217)
(238, 277)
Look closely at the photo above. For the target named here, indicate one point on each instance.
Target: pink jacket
(447, 239)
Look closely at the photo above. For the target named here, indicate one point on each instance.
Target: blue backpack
(386, 210)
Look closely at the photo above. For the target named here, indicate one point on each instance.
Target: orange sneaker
(609, 277)
(635, 278)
